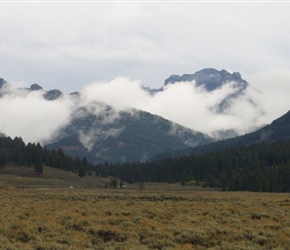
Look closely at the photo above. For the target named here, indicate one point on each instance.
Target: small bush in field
(191, 183)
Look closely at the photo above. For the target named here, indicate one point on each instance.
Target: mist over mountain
(101, 134)
(211, 79)
(98, 119)
(48, 95)
(278, 130)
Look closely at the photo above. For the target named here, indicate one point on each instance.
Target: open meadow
(150, 219)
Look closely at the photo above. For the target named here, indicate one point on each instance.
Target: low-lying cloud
(27, 114)
(274, 88)
(30, 116)
(182, 102)
(89, 138)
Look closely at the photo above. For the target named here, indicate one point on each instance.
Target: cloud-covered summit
(211, 79)
(234, 105)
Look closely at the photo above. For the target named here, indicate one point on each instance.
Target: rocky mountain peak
(52, 94)
(209, 78)
(2, 82)
(35, 87)
(48, 95)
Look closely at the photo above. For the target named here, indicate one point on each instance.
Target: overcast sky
(107, 50)
(67, 45)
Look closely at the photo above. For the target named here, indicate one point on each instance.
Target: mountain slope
(278, 130)
(123, 136)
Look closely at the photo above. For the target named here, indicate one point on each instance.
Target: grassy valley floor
(15, 177)
(150, 219)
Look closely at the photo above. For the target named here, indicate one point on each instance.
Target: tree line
(259, 167)
(15, 151)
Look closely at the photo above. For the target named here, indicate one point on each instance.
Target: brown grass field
(63, 218)
(43, 213)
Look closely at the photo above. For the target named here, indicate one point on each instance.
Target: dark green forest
(15, 151)
(259, 168)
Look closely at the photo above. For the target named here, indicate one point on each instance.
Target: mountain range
(48, 95)
(102, 134)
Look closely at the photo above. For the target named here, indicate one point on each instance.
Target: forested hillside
(263, 167)
(15, 151)
(123, 137)
(278, 130)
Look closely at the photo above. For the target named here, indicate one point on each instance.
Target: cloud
(182, 103)
(121, 93)
(105, 114)
(71, 44)
(29, 115)
(95, 130)
(89, 138)
(67, 45)
(195, 108)
(274, 88)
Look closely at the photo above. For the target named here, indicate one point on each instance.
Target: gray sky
(108, 50)
(67, 45)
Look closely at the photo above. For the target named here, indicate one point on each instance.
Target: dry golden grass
(128, 219)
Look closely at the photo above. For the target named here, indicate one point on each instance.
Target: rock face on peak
(35, 87)
(52, 94)
(48, 95)
(2, 82)
(210, 79)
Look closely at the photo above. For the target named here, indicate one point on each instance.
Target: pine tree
(38, 168)
(81, 172)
